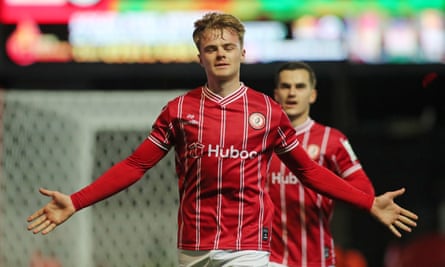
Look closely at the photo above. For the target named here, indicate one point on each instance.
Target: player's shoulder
(335, 132)
(182, 100)
(253, 93)
(193, 93)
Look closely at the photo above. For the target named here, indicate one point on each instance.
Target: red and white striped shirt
(223, 148)
(301, 232)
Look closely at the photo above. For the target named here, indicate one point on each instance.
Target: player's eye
(229, 47)
(210, 49)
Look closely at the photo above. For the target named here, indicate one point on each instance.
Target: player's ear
(199, 59)
(313, 97)
(275, 94)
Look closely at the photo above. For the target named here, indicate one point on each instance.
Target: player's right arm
(120, 176)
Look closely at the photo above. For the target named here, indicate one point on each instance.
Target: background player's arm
(347, 160)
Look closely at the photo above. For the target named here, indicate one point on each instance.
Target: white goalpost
(63, 140)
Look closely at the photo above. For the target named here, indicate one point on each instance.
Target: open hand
(392, 215)
(57, 211)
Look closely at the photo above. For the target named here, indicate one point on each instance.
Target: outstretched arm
(324, 181)
(359, 179)
(327, 183)
(120, 176)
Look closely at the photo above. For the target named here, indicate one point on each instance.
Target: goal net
(62, 140)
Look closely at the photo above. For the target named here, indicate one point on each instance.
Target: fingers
(36, 221)
(399, 225)
(40, 212)
(395, 231)
(402, 226)
(48, 229)
(395, 217)
(408, 214)
(45, 227)
(35, 215)
(39, 221)
(42, 224)
(407, 220)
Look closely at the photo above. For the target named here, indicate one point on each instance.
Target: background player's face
(221, 54)
(295, 93)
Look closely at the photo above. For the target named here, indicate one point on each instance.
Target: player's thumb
(398, 192)
(46, 192)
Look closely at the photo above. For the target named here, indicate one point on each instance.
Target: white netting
(62, 141)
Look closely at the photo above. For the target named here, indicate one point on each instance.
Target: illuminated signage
(27, 45)
(48, 11)
(152, 31)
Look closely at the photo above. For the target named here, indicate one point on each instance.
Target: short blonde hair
(218, 21)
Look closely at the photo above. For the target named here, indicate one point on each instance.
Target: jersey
(301, 232)
(223, 147)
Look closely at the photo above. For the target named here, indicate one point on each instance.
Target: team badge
(257, 120)
(313, 151)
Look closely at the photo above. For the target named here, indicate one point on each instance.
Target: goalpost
(62, 140)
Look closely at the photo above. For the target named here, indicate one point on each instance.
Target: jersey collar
(227, 99)
(305, 126)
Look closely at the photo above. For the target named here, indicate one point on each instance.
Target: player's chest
(228, 125)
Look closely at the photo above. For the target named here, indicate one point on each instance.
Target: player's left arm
(359, 179)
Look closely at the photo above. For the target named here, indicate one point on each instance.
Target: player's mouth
(221, 65)
(291, 104)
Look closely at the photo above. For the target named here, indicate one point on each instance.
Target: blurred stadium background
(82, 81)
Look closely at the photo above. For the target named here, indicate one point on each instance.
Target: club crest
(257, 120)
(313, 151)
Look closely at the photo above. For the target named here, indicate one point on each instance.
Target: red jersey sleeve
(287, 138)
(120, 176)
(323, 180)
(360, 180)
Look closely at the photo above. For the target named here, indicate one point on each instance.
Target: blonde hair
(218, 21)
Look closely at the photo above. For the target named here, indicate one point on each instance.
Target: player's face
(221, 54)
(295, 93)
